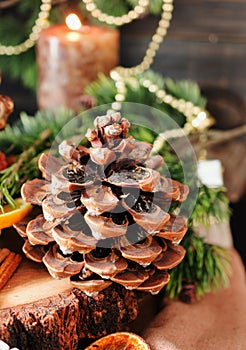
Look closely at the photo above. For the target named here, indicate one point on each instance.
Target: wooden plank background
(206, 42)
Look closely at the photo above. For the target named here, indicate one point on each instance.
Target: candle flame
(73, 22)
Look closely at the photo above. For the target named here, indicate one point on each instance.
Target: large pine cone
(104, 213)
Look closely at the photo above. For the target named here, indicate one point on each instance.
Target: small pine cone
(87, 101)
(104, 213)
(6, 108)
(188, 293)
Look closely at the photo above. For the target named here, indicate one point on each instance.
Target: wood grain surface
(206, 42)
(38, 312)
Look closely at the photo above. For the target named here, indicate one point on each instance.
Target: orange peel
(120, 341)
(11, 216)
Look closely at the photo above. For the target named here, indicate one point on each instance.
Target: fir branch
(113, 8)
(204, 265)
(187, 90)
(141, 133)
(104, 90)
(155, 6)
(25, 132)
(173, 164)
(30, 137)
(210, 203)
(12, 178)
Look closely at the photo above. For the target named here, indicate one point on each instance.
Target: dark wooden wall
(206, 42)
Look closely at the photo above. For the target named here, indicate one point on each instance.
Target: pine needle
(20, 136)
(154, 5)
(30, 137)
(104, 90)
(187, 90)
(204, 265)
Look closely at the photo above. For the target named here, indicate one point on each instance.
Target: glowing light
(199, 120)
(73, 22)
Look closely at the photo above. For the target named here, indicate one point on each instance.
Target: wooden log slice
(38, 312)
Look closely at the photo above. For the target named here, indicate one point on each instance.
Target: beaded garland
(197, 119)
(40, 23)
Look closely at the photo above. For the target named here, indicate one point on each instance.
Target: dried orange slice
(120, 341)
(14, 215)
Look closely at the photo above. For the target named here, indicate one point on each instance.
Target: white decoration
(210, 173)
(217, 234)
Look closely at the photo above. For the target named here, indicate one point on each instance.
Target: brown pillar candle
(70, 59)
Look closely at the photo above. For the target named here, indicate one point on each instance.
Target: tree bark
(38, 312)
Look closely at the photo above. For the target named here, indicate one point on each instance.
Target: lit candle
(69, 58)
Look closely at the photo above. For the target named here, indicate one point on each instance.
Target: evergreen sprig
(16, 138)
(185, 89)
(24, 169)
(104, 90)
(114, 8)
(154, 5)
(211, 203)
(30, 137)
(205, 266)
